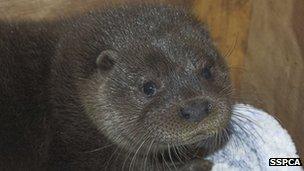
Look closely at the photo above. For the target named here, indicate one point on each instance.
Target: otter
(126, 88)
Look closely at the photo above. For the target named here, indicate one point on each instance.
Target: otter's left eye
(149, 88)
(206, 73)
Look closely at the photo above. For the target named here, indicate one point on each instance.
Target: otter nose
(195, 111)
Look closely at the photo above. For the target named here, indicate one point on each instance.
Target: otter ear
(106, 60)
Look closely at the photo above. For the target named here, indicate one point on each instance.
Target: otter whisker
(245, 129)
(230, 67)
(220, 138)
(99, 149)
(223, 92)
(169, 151)
(164, 160)
(155, 158)
(109, 160)
(133, 138)
(182, 150)
(232, 48)
(240, 140)
(177, 154)
(240, 116)
(216, 139)
(144, 139)
(237, 140)
(147, 154)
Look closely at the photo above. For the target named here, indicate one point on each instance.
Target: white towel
(250, 150)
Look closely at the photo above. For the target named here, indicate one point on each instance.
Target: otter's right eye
(149, 88)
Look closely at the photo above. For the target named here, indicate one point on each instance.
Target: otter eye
(149, 88)
(206, 73)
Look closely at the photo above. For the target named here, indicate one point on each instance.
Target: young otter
(128, 88)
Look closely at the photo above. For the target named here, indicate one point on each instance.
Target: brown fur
(62, 110)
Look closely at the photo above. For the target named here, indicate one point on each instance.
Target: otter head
(158, 81)
(169, 91)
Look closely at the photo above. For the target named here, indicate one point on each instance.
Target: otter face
(169, 92)
(158, 82)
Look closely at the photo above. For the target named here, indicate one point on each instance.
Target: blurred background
(263, 42)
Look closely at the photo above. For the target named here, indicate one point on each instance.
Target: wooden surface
(274, 63)
(267, 61)
(52, 9)
(263, 42)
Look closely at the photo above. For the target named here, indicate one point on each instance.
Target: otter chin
(125, 88)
